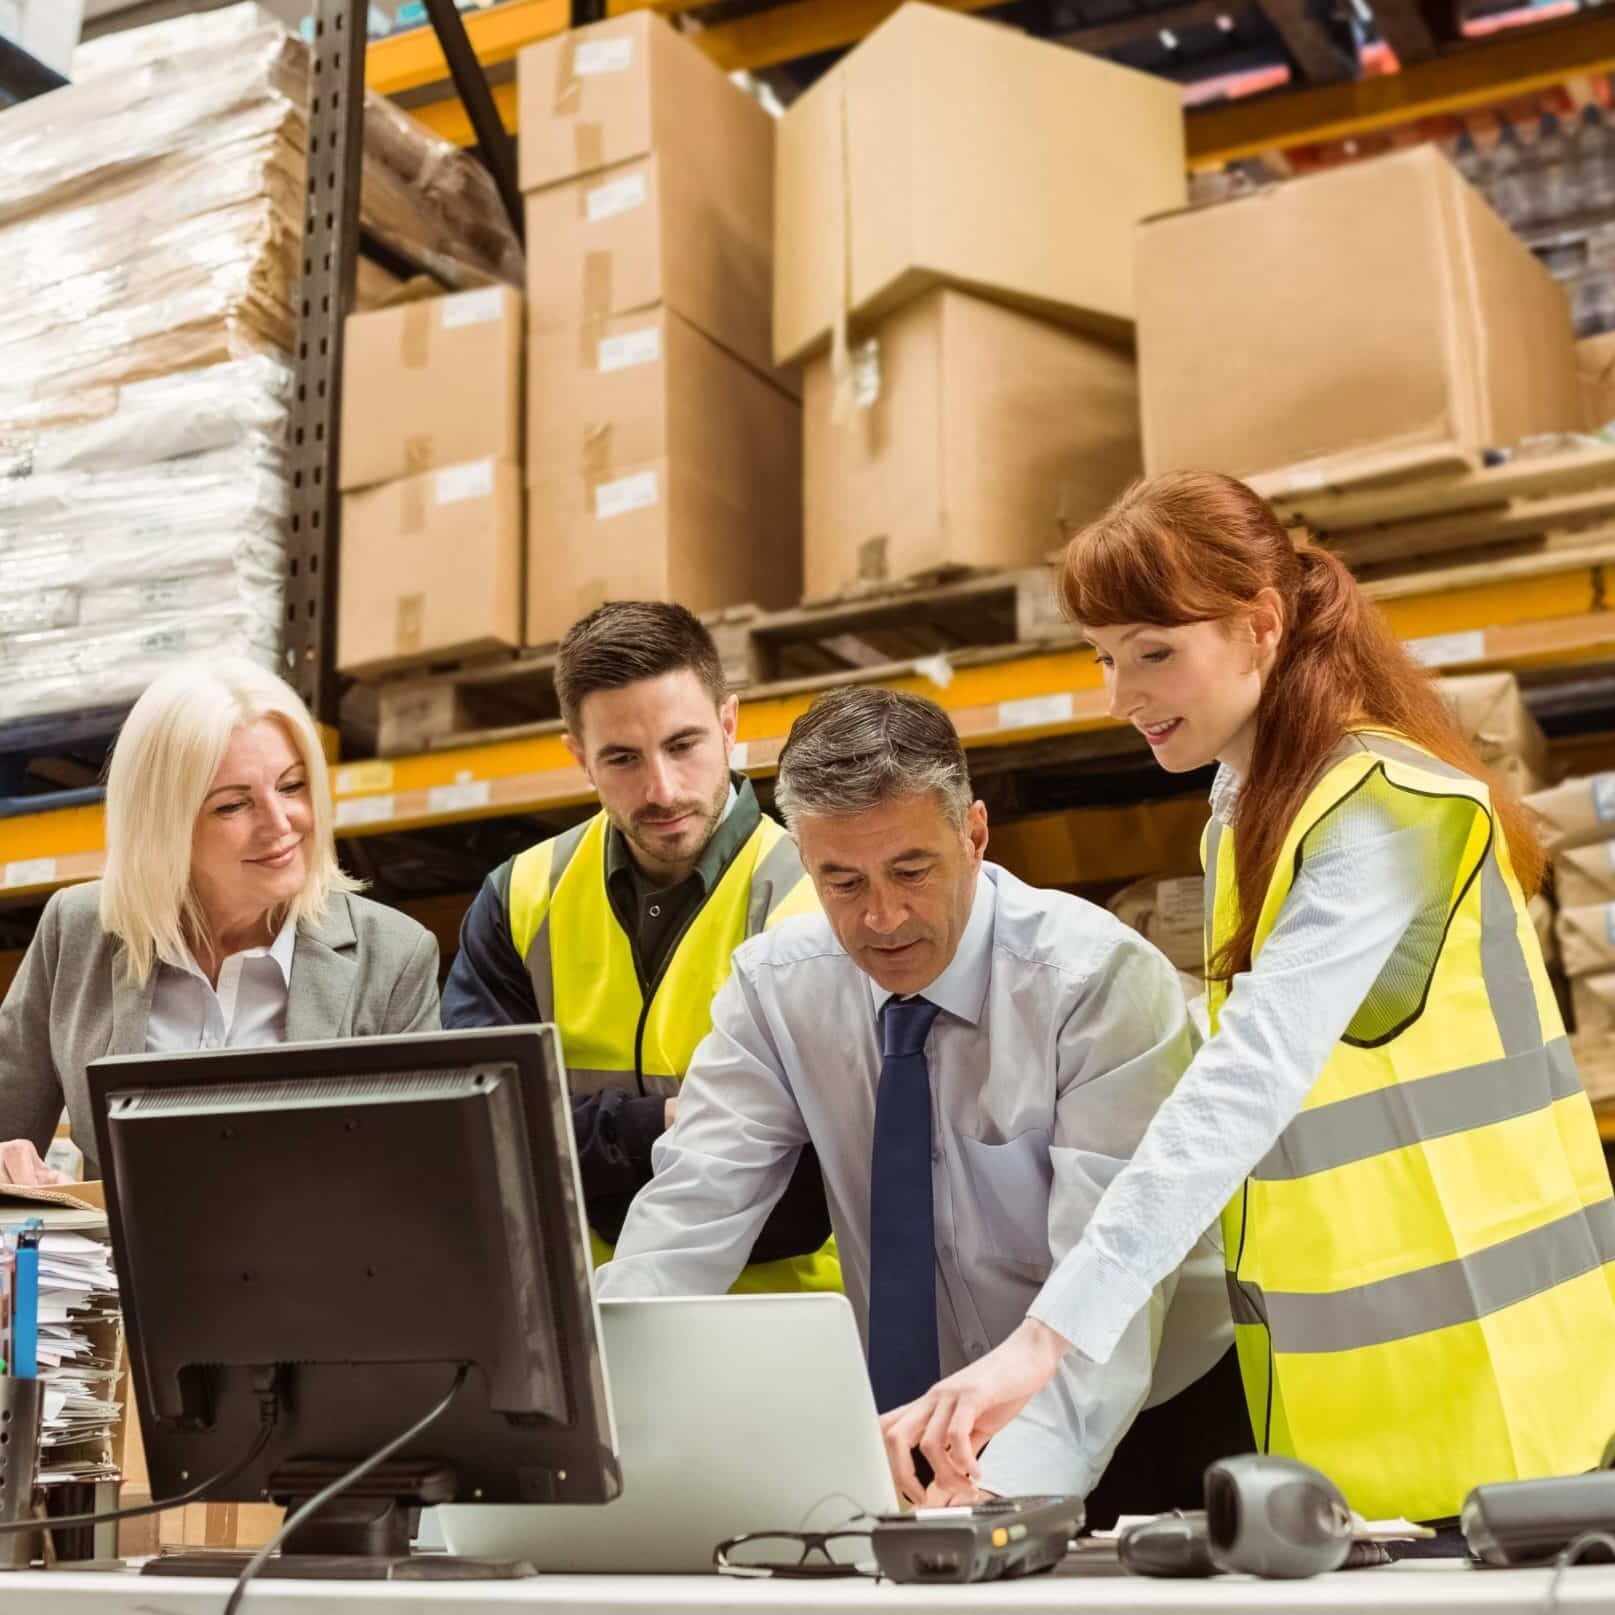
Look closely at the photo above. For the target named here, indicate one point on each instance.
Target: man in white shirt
(973, 1060)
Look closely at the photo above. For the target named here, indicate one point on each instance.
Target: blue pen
(25, 1321)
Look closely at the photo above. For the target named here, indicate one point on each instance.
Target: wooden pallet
(931, 622)
(1374, 524)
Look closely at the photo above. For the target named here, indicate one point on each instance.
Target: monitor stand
(361, 1535)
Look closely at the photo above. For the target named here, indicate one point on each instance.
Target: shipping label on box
(435, 382)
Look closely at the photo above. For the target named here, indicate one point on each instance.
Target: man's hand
(958, 1416)
(670, 1112)
(20, 1163)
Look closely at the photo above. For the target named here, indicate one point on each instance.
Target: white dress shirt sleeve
(1359, 889)
(721, 1167)
(1122, 1049)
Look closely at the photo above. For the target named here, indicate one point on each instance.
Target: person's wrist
(1044, 1345)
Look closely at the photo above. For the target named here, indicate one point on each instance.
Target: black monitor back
(361, 1218)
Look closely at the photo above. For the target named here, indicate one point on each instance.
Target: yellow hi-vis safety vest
(586, 983)
(1422, 1270)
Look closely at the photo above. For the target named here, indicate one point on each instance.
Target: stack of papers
(78, 1335)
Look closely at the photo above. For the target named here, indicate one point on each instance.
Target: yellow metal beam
(1521, 62)
(447, 118)
(409, 60)
(1522, 622)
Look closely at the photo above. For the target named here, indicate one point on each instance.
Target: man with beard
(620, 930)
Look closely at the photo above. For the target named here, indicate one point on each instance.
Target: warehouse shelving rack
(1037, 705)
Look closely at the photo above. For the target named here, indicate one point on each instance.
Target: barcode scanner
(1275, 1517)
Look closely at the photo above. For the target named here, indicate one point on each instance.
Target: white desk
(1410, 1589)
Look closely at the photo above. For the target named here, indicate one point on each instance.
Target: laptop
(734, 1413)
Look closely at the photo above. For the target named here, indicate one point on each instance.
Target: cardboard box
(1587, 940)
(949, 149)
(1594, 1053)
(1498, 724)
(1378, 319)
(1171, 914)
(661, 467)
(650, 179)
(432, 382)
(989, 432)
(1575, 812)
(1595, 362)
(431, 568)
(1592, 1001)
(1583, 876)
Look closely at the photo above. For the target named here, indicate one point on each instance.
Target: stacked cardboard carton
(957, 208)
(150, 216)
(431, 481)
(1577, 819)
(1371, 321)
(1170, 913)
(664, 449)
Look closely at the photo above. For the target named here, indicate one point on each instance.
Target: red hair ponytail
(1193, 546)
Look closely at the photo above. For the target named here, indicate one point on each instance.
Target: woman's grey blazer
(363, 971)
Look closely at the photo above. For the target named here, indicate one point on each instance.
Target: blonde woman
(223, 919)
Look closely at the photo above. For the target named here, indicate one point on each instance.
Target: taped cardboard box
(431, 568)
(649, 179)
(949, 149)
(1587, 940)
(661, 467)
(1583, 876)
(429, 383)
(1374, 320)
(1497, 723)
(978, 436)
(1575, 812)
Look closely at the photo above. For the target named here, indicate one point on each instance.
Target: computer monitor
(349, 1223)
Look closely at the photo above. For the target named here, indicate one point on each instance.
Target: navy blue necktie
(903, 1357)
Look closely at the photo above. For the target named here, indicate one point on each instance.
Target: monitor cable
(264, 1384)
(340, 1485)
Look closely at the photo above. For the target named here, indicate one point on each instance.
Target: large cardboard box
(650, 179)
(987, 434)
(1575, 812)
(1592, 1003)
(1497, 723)
(431, 568)
(1375, 320)
(430, 383)
(660, 467)
(949, 149)
(1587, 940)
(1583, 876)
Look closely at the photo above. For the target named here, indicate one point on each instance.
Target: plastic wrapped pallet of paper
(150, 222)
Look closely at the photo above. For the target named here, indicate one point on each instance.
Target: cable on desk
(1570, 1556)
(338, 1486)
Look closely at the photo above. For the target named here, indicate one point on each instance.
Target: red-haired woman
(1416, 1214)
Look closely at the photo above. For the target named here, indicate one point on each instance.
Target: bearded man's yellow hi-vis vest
(1422, 1270)
(613, 1035)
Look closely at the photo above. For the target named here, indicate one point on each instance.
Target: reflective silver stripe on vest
(772, 881)
(1440, 1296)
(1502, 960)
(583, 1083)
(1215, 831)
(538, 952)
(1406, 1113)
(1399, 751)
(1245, 1302)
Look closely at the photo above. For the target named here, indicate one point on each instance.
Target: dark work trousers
(1161, 1462)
